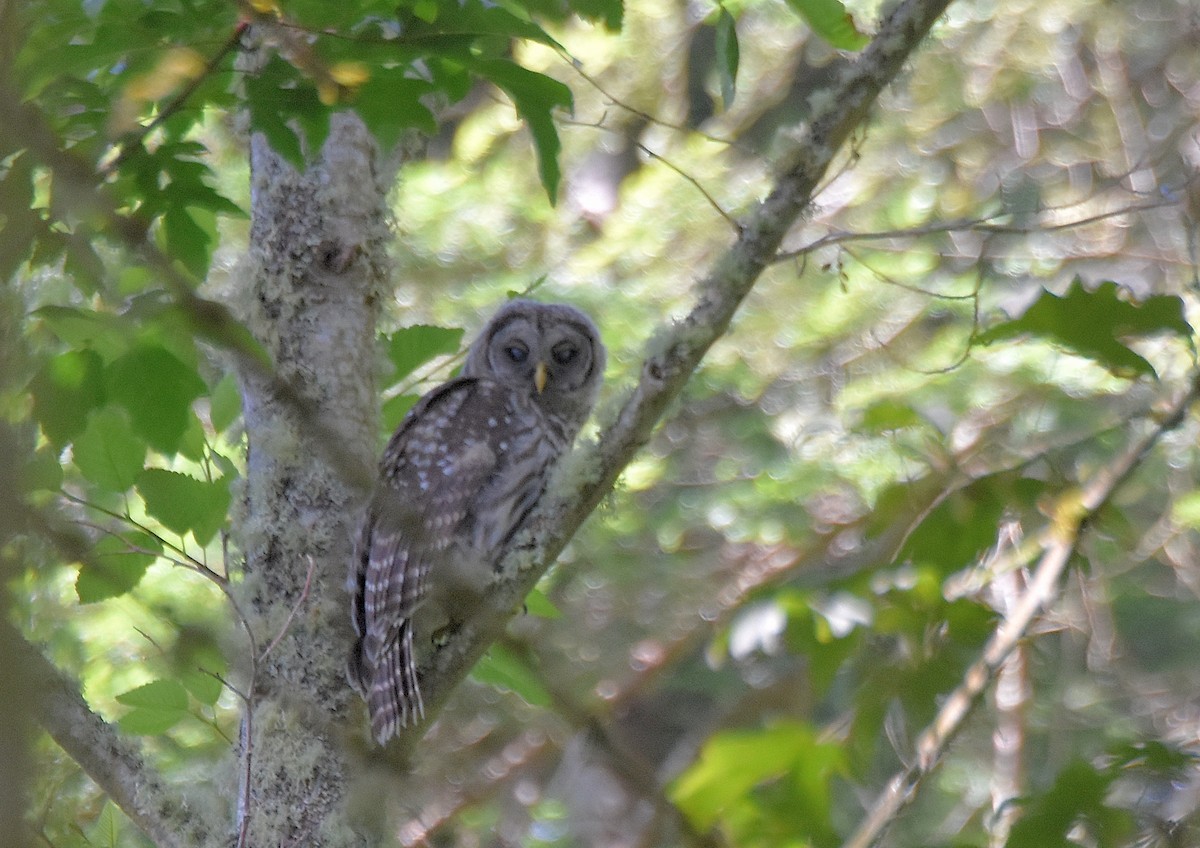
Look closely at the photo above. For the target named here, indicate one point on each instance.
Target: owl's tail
(395, 698)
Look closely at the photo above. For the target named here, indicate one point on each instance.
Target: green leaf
(199, 663)
(106, 832)
(536, 603)
(115, 566)
(109, 453)
(190, 234)
(966, 522)
(830, 20)
(889, 414)
(42, 472)
(390, 103)
(64, 391)
(411, 347)
(394, 410)
(184, 504)
(732, 763)
(727, 55)
(106, 334)
(157, 707)
(535, 97)
(225, 403)
(157, 389)
(501, 669)
(278, 97)
(1078, 794)
(1093, 323)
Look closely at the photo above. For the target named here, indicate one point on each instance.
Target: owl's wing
(443, 454)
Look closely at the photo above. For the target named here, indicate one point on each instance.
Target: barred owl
(462, 471)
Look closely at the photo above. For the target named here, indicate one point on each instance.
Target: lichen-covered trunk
(316, 270)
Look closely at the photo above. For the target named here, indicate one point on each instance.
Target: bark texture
(316, 270)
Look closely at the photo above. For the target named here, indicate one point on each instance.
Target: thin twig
(712, 201)
(983, 224)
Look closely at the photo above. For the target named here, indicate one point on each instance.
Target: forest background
(910, 560)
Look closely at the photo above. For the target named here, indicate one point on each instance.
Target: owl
(462, 471)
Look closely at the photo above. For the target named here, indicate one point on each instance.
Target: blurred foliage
(989, 298)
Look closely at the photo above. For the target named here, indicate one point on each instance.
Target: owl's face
(551, 352)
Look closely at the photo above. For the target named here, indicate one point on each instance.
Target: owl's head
(549, 350)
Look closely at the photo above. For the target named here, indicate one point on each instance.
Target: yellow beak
(539, 377)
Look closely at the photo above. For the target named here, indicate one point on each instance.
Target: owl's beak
(539, 377)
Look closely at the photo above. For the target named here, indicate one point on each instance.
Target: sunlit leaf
(889, 414)
(1094, 323)
(501, 669)
(733, 762)
(184, 504)
(411, 347)
(394, 409)
(157, 707)
(107, 831)
(830, 20)
(108, 452)
(536, 603)
(157, 389)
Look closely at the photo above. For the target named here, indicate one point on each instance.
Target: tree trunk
(314, 278)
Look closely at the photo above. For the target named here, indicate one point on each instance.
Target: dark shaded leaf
(966, 522)
(390, 103)
(115, 566)
(64, 391)
(1093, 323)
(727, 55)
(1078, 795)
(225, 403)
(42, 472)
(278, 95)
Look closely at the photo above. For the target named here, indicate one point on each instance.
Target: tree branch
(1057, 544)
(109, 759)
(677, 350)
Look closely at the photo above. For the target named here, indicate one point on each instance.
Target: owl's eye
(564, 353)
(517, 352)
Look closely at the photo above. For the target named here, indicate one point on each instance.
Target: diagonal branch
(109, 759)
(1056, 545)
(677, 350)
